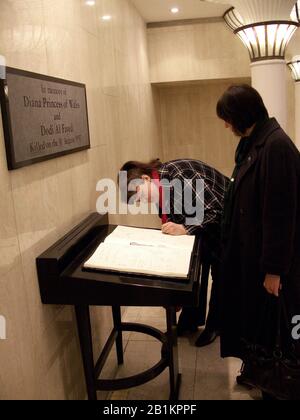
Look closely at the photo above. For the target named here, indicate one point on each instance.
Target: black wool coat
(264, 238)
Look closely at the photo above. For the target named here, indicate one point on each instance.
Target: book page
(151, 237)
(163, 262)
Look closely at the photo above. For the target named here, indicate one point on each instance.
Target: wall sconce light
(294, 65)
(264, 40)
(295, 16)
(267, 41)
(233, 19)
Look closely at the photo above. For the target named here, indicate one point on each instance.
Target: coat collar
(260, 137)
(268, 127)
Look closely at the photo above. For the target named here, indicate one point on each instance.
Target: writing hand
(173, 229)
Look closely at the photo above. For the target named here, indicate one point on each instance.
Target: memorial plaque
(43, 117)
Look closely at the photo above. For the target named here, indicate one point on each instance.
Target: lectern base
(169, 353)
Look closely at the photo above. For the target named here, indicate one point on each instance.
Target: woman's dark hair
(242, 107)
(135, 170)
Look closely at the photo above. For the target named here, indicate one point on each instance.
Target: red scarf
(156, 179)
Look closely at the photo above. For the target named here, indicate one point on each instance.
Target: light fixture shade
(254, 11)
(295, 16)
(267, 41)
(264, 26)
(295, 67)
(233, 19)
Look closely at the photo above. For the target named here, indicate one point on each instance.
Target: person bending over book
(175, 221)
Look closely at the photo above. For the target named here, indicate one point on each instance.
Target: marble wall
(128, 119)
(199, 51)
(294, 46)
(190, 64)
(190, 127)
(65, 38)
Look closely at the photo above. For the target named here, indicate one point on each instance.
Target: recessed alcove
(189, 126)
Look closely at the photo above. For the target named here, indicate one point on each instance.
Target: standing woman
(174, 217)
(261, 224)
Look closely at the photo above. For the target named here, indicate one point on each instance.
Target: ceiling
(159, 10)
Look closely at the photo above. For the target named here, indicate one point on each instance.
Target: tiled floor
(205, 376)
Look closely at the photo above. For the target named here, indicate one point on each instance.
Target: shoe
(206, 338)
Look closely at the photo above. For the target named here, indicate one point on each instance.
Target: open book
(144, 251)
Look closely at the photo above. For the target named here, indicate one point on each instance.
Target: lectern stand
(64, 281)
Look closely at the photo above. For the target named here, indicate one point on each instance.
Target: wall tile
(21, 367)
(22, 35)
(10, 253)
(42, 202)
(191, 128)
(196, 52)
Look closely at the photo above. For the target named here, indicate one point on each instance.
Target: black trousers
(197, 316)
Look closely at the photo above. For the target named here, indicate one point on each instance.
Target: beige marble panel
(35, 193)
(90, 71)
(66, 15)
(62, 41)
(89, 18)
(191, 129)
(22, 35)
(196, 52)
(66, 213)
(9, 246)
(21, 365)
(149, 133)
(59, 348)
(99, 171)
(142, 55)
(82, 187)
(108, 69)
(294, 46)
(291, 111)
(47, 201)
(41, 316)
(42, 202)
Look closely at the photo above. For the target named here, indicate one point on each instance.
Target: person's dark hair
(136, 170)
(242, 107)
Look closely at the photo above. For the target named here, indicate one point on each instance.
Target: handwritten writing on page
(164, 262)
(128, 235)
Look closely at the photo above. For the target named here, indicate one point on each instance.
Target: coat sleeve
(279, 210)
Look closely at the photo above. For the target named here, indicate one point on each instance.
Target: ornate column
(295, 67)
(2, 67)
(265, 27)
